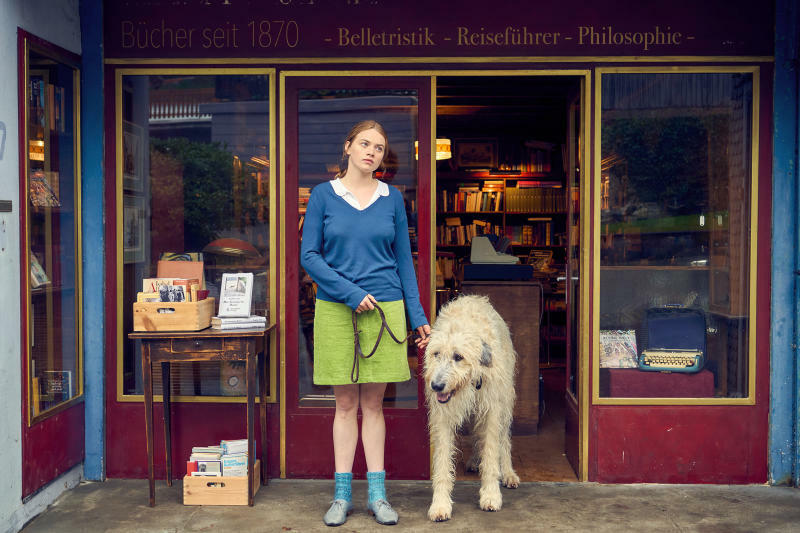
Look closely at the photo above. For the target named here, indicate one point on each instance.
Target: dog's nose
(438, 387)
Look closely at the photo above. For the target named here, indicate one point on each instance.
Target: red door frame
(309, 444)
(698, 443)
(55, 443)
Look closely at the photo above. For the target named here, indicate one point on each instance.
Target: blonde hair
(354, 131)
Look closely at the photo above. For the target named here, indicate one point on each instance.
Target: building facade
(638, 162)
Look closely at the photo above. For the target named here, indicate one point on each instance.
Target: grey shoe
(337, 514)
(384, 514)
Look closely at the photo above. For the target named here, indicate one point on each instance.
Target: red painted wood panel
(51, 447)
(193, 424)
(406, 452)
(692, 444)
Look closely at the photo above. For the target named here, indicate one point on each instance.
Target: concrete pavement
(120, 506)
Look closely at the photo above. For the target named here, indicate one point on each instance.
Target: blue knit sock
(375, 486)
(343, 490)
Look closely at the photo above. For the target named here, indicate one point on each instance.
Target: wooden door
(574, 389)
(319, 110)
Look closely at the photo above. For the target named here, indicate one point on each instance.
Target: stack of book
(234, 457)
(205, 461)
(247, 322)
(227, 459)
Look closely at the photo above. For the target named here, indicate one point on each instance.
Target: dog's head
(454, 360)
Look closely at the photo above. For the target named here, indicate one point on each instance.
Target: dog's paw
(473, 465)
(491, 500)
(511, 480)
(439, 512)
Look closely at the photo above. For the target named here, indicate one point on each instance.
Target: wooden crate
(202, 490)
(172, 316)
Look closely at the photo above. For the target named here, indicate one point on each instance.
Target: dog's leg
(508, 478)
(443, 470)
(490, 497)
(473, 464)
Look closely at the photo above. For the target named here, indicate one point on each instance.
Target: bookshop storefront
(622, 158)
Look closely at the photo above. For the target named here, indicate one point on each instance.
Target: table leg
(166, 388)
(251, 400)
(262, 396)
(147, 379)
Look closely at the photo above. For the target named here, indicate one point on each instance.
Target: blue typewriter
(674, 340)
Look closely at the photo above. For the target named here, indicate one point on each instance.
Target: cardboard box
(201, 490)
(172, 316)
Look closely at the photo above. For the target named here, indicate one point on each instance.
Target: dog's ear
(486, 355)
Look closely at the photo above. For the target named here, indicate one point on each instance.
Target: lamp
(231, 247)
(443, 149)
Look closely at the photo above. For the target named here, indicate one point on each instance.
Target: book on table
(252, 321)
(236, 294)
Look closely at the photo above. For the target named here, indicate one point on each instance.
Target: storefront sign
(420, 28)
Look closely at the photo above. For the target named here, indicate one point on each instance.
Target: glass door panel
(324, 119)
(319, 111)
(53, 252)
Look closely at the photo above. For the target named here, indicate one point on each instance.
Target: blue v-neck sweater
(351, 253)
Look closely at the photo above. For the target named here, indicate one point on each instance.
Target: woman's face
(366, 151)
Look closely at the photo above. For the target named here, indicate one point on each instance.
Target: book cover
(211, 467)
(236, 294)
(234, 464)
(41, 193)
(618, 349)
(38, 275)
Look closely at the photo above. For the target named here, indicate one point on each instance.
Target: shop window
(195, 184)
(675, 181)
(51, 244)
(324, 118)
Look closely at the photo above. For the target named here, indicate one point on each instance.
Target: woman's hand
(367, 304)
(424, 336)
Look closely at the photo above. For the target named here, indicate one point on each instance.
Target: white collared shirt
(338, 187)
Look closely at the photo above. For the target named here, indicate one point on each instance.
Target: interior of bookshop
(506, 214)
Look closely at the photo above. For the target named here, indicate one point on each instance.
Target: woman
(356, 248)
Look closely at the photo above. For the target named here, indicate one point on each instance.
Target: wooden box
(172, 316)
(204, 490)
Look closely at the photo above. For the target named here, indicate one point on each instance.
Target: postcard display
(53, 249)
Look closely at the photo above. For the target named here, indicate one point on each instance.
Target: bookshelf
(515, 174)
(525, 203)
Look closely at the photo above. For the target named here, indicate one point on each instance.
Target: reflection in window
(674, 233)
(325, 117)
(195, 186)
(55, 367)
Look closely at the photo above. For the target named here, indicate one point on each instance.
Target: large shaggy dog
(469, 375)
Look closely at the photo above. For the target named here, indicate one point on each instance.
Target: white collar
(338, 187)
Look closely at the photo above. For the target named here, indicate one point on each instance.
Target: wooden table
(167, 347)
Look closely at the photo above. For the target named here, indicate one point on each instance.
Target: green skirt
(334, 344)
